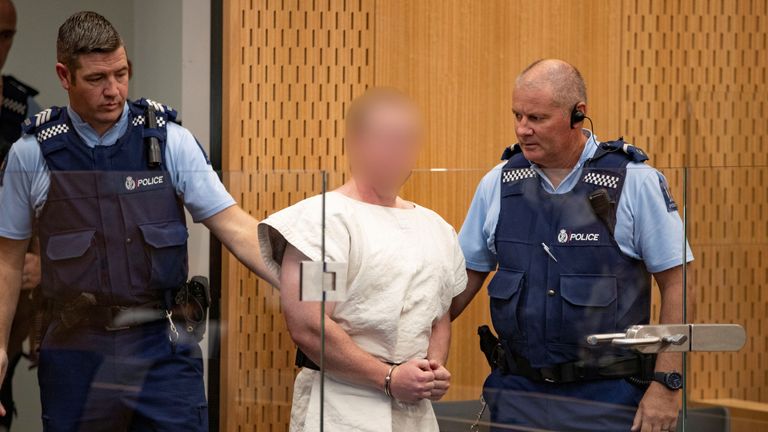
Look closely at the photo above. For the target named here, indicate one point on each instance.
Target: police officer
(17, 102)
(575, 228)
(106, 180)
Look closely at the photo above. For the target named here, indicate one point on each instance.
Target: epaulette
(45, 124)
(20, 86)
(635, 154)
(511, 151)
(163, 112)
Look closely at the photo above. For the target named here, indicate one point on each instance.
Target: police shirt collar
(589, 150)
(91, 137)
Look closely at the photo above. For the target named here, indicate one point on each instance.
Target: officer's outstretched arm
(475, 281)
(238, 231)
(11, 264)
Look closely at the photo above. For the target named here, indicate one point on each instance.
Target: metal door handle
(650, 339)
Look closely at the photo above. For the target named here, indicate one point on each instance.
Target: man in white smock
(387, 343)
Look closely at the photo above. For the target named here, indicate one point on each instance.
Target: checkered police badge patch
(509, 176)
(601, 179)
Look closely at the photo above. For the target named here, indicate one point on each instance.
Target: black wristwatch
(671, 380)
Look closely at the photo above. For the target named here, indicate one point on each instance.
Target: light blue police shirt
(648, 227)
(26, 179)
(32, 107)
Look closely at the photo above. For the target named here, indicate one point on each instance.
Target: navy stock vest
(15, 110)
(111, 226)
(561, 275)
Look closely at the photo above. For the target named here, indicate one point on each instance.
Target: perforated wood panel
(695, 92)
(290, 68)
(683, 79)
(459, 60)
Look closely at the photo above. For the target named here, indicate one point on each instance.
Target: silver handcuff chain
(476, 425)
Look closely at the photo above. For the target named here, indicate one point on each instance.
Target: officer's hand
(658, 410)
(3, 369)
(31, 275)
(442, 380)
(412, 381)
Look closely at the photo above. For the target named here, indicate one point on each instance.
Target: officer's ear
(65, 77)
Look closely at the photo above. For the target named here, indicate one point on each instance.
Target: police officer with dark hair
(575, 229)
(17, 102)
(105, 182)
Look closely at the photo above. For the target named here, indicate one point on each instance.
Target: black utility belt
(640, 366)
(111, 318)
(629, 365)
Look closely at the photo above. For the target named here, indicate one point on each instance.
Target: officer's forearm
(238, 231)
(475, 281)
(12, 254)
(671, 288)
(440, 340)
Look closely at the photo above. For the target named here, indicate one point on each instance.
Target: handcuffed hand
(442, 380)
(412, 381)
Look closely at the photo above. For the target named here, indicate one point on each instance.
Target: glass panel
(727, 195)
(560, 280)
(261, 377)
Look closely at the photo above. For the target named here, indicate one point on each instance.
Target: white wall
(33, 56)
(168, 42)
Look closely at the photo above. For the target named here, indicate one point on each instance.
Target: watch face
(674, 380)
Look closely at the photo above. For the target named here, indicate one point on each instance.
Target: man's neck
(368, 193)
(99, 127)
(559, 170)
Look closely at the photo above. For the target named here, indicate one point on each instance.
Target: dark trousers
(517, 403)
(92, 379)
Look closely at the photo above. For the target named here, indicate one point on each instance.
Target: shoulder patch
(666, 193)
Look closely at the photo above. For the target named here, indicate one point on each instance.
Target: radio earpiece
(577, 116)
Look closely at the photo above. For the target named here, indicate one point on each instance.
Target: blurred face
(543, 129)
(7, 29)
(98, 88)
(385, 146)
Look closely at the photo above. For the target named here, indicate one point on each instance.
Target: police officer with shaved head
(105, 181)
(575, 229)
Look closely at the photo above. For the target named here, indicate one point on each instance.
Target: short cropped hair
(567, 83)
(85, 33)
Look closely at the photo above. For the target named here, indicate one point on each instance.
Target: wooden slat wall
(684, 79)
(459, 59)
(696, 90)
(291, 66)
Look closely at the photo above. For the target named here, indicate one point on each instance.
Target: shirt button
(128, 240)
(551, 293)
